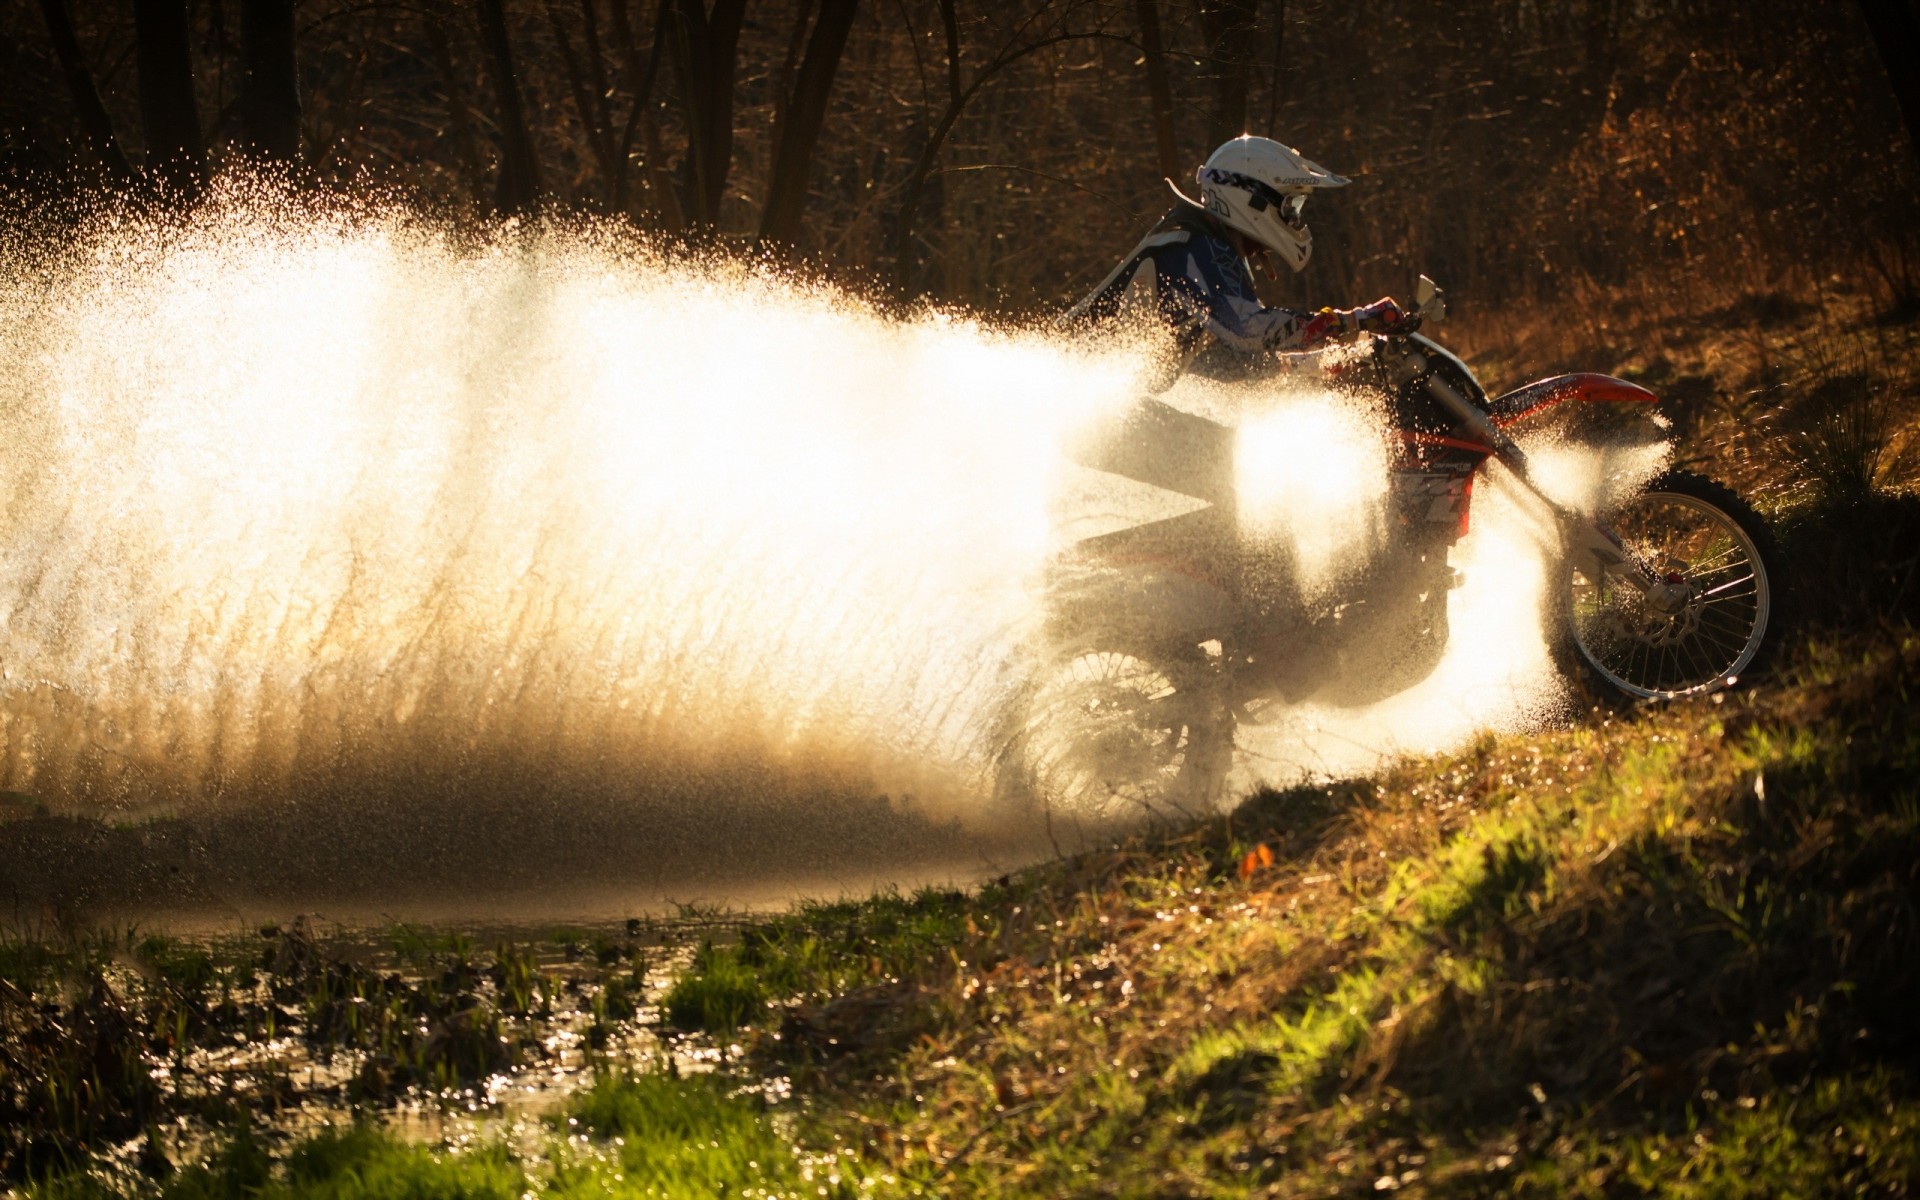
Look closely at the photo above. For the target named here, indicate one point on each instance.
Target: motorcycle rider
(1192, 268)
(1191, 272)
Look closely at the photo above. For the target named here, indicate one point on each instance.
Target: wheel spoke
(1684, 535)
(1747, 578)
(1712, 562)
(1727, 626)
(1700, 660)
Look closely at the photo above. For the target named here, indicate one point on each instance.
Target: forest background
(1585, 158)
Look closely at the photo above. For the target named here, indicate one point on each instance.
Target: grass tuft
(361, 1162)
(718, 993)
(677, 1137)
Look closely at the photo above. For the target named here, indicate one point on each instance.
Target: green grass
(351, 1162)
(94, 1026)
(718, 993)
(820, 952)
(671, 1137)
(629, 1135)
(363, 1163)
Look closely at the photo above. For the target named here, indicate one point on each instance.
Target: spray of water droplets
(299, 496)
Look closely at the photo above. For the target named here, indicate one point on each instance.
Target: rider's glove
(1382, 316)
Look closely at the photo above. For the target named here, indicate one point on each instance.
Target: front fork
(1595, 550)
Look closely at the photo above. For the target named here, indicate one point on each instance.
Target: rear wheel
(1109, 734)
(1705, 622)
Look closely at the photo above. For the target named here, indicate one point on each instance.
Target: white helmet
(1258, 187)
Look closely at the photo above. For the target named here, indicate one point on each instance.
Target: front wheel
(1111, 733)
(1706, 620)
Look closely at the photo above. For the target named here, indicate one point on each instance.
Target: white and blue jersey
(1188, 272)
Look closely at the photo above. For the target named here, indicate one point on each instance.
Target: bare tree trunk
(270, 96)
(705, 45)
(789, 65)
(519, 185)
(466, 142)
(957, 97)
(1896, 34)
(958, 94)
(660, 183)
(692, 61)
(1147, 15)
(1229, 26)
(175, 152)
(793, 154)
(596, 62)
(589, 87)
(1601, 34)
(641, 77)
(612, 140)
(1279, 61)
(95, 125)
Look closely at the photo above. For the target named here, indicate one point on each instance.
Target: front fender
(1587, 388)
(1586, 410)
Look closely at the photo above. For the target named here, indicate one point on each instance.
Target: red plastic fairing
(1414, 458)
(1588, 388)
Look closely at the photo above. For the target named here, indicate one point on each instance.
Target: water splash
(1311, 472)
(286, 491)
(332, 506)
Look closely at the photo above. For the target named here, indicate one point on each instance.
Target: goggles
(1288, 206)
(1290, 209)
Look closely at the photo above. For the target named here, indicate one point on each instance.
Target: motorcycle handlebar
(1406, 320)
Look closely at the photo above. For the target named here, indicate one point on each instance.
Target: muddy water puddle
(441, 1033)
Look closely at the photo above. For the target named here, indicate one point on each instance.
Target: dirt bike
(1161, 638)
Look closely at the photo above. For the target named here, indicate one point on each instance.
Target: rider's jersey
(1187, 271)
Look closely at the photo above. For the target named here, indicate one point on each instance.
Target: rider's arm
(1205, 285)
